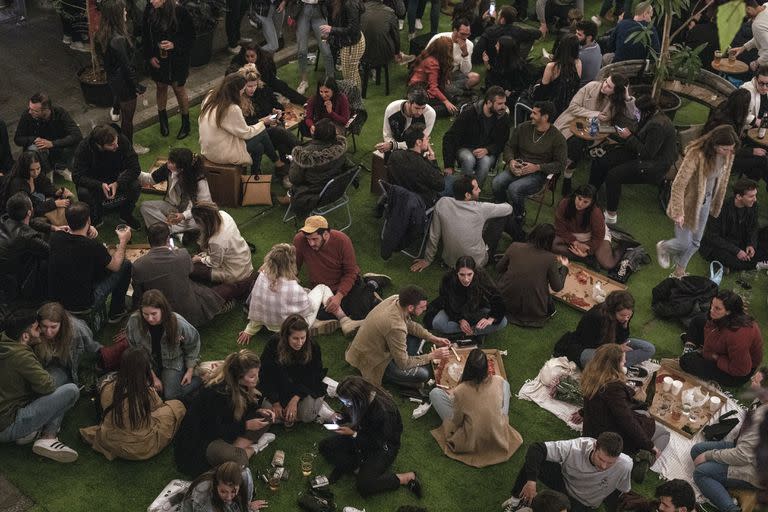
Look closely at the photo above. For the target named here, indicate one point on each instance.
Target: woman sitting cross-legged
(724, 465)
(368, 440)
(225, 256)
(64, 339)
(610, 406)
(226, 488)
(469, 302)
(726, 345)
(328, 103)
(580, 229)
(137, 424)
(225, 137)
(185, 186)
(475, 414)
(277, 294)
(172, 343)
(225, 421)
(605, 324)
(292, 375)
(313, 165)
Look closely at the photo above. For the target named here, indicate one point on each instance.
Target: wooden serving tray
(448, 371)
(577, 291)
(132, 251)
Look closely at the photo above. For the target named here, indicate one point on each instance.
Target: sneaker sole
(662, 257)
(328, 328)
(58, 456)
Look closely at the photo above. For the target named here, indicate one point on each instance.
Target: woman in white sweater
(225, 256)
(225, 137)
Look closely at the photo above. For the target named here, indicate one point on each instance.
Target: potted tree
(205, 15)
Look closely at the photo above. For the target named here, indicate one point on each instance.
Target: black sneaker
(132, 221)
(115, 318)
(415, 486)
(381, 280)
(642, 462)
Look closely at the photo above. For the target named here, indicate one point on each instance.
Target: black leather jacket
(23, 254)
(118, 63)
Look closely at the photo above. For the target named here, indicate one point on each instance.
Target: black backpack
(682, 298)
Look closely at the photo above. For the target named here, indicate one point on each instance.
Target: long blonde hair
(235, 366)
(280, 262)
(61, 346)
(251, 74)
(604, 368)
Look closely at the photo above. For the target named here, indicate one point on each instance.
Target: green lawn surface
(94, 484)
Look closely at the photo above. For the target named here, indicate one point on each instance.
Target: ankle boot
(162, 117)
(567, 186)
(185, 127)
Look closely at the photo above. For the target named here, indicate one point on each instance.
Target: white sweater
(225, 144)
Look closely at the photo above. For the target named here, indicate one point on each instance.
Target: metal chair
(549, 186)
(332, 197)
(422, 245)
(518, 106)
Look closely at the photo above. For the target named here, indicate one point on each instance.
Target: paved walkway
(11, 500)
(34, 59)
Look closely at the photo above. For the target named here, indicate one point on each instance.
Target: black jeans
(286, 90)
(373, 476)
(551, 475)
(754, 167)
(619, 167)
(95, 199)
(356, 304)
(493, 230)
(236, 9)
(283, 140)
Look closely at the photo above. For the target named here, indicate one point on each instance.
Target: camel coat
(588, 103)
(690, 185)
(225, 144)
(478, 434)
(141, 444)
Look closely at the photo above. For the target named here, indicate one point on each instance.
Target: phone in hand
(331, 426)
(618, 128)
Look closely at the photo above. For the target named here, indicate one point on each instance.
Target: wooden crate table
(132, 251)
(448, 371)
(577, 291)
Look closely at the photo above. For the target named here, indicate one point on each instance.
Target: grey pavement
(11, 500)
(33, 58)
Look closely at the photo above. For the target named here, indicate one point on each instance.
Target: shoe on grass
(132, 221)
(642, 462)
(353, 509)
(263, 442)
(349, 327)
(114, 116)
(512, 504)
(762, 265)
(80, 47)
(234, 50)
(32, 436)
(140, 150)
(596, 20)
(321, 327)
(381, 280)
(662, 255)
(415, 486)
(54, 450)
(302, 88)
(419, 24)
(611, 219)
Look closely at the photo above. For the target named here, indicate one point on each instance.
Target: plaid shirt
(270, 308)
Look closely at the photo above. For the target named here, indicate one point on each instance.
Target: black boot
(567, 186)
(162, 117)
(184, 130)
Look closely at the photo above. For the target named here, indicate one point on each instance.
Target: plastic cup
(714, 404)
(306, 464)
(667, 384)
(677, 386)
(274, 480)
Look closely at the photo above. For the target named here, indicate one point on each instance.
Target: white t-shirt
(463, 64)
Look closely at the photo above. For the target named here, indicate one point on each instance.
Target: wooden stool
(378, 172)
(747, 499)
(224, 182)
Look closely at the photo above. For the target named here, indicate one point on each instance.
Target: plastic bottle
(492, 8)
(763, 126)
(594, 127)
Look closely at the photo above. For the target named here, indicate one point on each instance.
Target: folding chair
(422, 245)
(520, 107)
(549, 186)
(332, 197)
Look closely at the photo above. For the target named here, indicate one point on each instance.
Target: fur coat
(314, 164)
(690, 185)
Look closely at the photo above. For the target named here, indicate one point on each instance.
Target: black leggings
(619, 167)
(373, 475)
(127, 110)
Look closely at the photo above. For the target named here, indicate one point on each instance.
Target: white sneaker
(302, 88)
(596, 20)
(114, 116)
(353, 509)
(421, 410)
(511, 504)
(400, 24)
(762, 265)
(234, 50)
(246, 39)
(546, 54)
(611, 219)
(27, 438)
(80, 47)
(662, 256)
(326, 414)
(67, 40)
(332, 385)
(419, 25)
(140, 150)
(54, 449)
(64, 173)
(263, 442)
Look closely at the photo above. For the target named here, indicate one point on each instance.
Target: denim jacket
(178, 356)
(82, 341)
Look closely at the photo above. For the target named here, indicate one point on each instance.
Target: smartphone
(618, 128)
(492, 8)
(331, 426)
(274, 116)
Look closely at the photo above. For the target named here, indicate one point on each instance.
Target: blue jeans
(477, 167)
(44, 414)
(412, 376)
(115, 284)
(641, 351)
(172, 388)
(270, 30)
(687, 241)
(257, 146)
(443, 402)
(712, 477)
(513, 189)
(415, 9)
(441, 323)
(311, 17)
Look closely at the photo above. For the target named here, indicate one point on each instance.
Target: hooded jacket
(22, 379)
(94, 166)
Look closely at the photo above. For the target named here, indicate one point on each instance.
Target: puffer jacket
(313, 165)
(405, 214)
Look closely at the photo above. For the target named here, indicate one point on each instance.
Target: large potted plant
(205, 15)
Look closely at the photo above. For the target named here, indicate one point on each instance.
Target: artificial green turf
(92, 483)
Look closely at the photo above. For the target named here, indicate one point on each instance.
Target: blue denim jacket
(178, 356)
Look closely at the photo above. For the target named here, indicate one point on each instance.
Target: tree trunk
(663, 56)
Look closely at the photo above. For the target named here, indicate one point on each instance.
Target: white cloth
(463, 64)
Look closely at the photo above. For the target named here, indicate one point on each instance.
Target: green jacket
(22, 379)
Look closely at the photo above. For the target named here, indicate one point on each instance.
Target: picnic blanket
(675, 460)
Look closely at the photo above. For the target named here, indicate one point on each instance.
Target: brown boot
(349, 327)
(321, 327)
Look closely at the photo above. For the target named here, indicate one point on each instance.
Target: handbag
(256, 190)
(718, 431)
(317, 500)
(716, 276)
(56, 217)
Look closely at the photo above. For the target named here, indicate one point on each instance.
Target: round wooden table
(583, 132)
(752, 134)
(730, 67)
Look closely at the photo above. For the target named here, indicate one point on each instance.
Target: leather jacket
(23, 254)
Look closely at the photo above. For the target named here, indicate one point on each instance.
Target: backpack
(682, 298)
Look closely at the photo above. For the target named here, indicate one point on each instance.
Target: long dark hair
(723, 135)
(208, 219)
(330, 83)
(156, 299)
(112, 24)
(585, 191)
(732, 111)
(286, 355)
(615, 301)
(360, 394)
(265, 61)
(542, 236)
(737, 317)
(61, 346)
(25, 161)
(476, 369)
(163, 18)
(508, 57)
(479, 287)
(132, 386)
(618, 100)
(190, 170)
(565, 57)
(228, 473)
(224, 95)
(648, 107)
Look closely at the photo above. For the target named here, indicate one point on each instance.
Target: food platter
(579, 288)
(132, 252)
